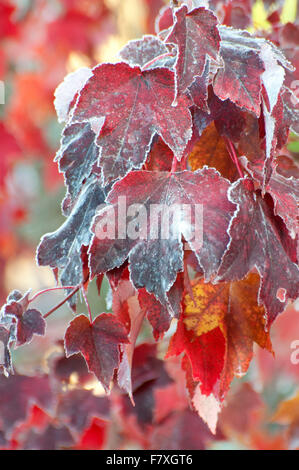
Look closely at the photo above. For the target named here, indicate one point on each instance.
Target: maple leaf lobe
(136, 105)
(196, 35)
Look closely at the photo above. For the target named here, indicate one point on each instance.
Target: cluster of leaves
(63, 410)
(66, 33)
(66, 409)
(199, 113)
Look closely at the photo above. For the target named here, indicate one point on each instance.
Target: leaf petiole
(74, 291)
(159, 57)
(233, 155)
(50, 290)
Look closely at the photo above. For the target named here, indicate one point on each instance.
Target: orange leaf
(211, 150)
(233, 308)
(288, 411)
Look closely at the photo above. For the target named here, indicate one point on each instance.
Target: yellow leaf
(208, 311)
(233, 308)
(211, 150)
(259, 16)
(289, 11)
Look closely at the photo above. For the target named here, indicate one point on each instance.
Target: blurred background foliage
(40, 42)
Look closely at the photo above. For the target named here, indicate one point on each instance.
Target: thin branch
(87, 303)
(62, 302)
(155, 59)
(50, 290)
(174, 165)
(232, 152)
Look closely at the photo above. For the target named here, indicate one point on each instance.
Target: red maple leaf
(155, 261)
(258, 241)
(98, 342)
(29, 320)
(141, 107)
(205, 352)
(284, 191)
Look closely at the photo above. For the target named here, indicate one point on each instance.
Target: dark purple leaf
(155, 261)
(62, 248)
(98, 342)
(240, 78)
(52, 438)
(17, 393)
(77, 155)
(78, 407)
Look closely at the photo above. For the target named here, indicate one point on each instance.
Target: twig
(62, 302)
(49, 290)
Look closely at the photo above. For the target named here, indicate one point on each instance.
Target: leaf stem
(50, 290)
(184, 162)
(232, 152)
(155, 59)
(87, 303)
(174, 165)
(63, 301)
